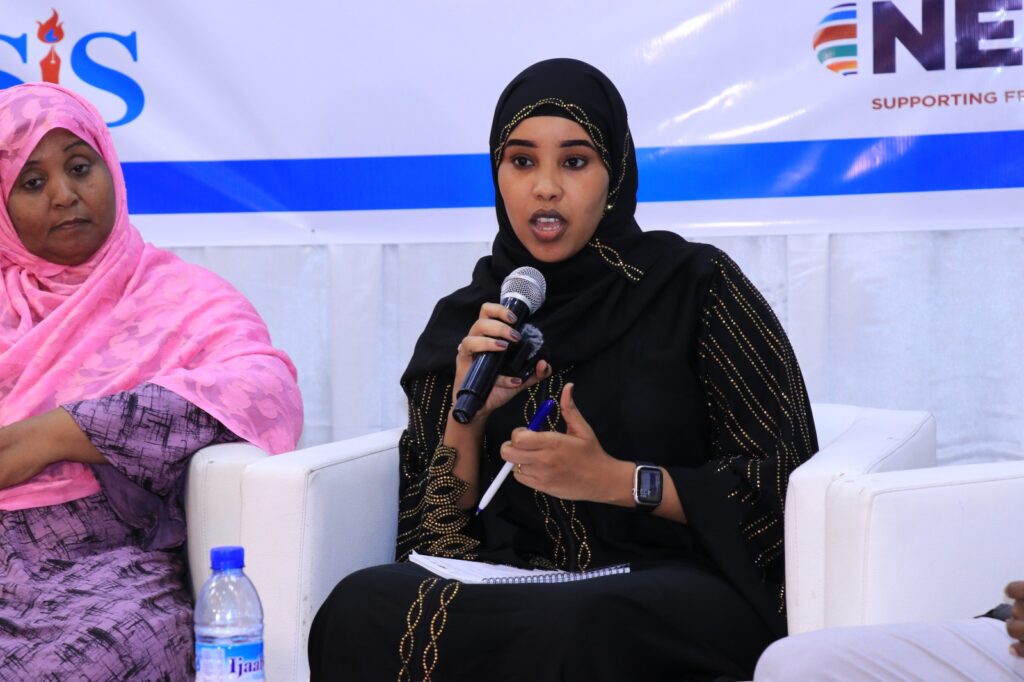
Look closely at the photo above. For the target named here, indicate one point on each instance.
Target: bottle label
(242, 662)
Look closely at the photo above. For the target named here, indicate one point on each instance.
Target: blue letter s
(108, 79)
(19, 44)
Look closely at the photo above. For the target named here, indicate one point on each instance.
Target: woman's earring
(608, 207)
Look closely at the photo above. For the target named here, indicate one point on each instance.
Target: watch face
(648, 485)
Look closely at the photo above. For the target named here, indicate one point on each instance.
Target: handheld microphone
(522, 292)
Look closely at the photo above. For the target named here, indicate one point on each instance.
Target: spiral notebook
(478, 572)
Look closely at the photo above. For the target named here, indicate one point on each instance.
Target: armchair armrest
(213, 502)
(855, 440)
(928, 544)
(308, 519)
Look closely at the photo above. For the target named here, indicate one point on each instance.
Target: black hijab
(596, 289)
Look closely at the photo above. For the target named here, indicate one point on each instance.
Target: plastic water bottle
(229, 622)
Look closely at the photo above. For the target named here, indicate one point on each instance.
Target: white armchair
(306, 519)
(852, 441)
(310, 517)
(931, 544)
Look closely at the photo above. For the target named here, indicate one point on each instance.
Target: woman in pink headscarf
(117, 362)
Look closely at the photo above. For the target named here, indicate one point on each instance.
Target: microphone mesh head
(526, 284)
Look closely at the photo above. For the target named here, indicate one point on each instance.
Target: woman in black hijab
(657, 350)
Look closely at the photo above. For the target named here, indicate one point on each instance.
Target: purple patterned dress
(96, 589)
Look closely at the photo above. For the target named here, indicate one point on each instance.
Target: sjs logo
(51, 34)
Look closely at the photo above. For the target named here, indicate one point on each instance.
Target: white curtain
(913, 320)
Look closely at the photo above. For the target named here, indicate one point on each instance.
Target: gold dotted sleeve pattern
(429, 520)
(761, 424)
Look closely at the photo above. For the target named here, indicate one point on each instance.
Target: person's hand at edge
(1015, 624)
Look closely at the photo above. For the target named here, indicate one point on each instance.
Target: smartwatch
(647, 487)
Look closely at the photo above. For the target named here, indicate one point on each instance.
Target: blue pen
(539, 417)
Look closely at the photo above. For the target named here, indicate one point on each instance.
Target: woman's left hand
(571, 465)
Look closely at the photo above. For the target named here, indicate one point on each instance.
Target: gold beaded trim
(554, 531)
(622, 172)
(437, 623)
(552, 387)
(443, 522)
(742, 340)
(416, 447)
(407, 645)
(612, 257)
(533, 399)
(579, 531)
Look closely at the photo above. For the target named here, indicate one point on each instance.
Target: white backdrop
(328, 158)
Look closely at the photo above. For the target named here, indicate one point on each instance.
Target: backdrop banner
(323, 122)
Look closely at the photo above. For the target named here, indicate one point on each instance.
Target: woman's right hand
(30, 445)
(493, 332)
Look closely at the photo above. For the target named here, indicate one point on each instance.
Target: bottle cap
(226, 558)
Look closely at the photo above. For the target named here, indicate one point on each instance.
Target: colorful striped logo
(835, 41)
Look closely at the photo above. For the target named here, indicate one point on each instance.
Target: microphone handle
(481, 377)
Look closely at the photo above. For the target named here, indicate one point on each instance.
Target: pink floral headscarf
(131, 314)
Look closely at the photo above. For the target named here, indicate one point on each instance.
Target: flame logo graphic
(52, 31)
